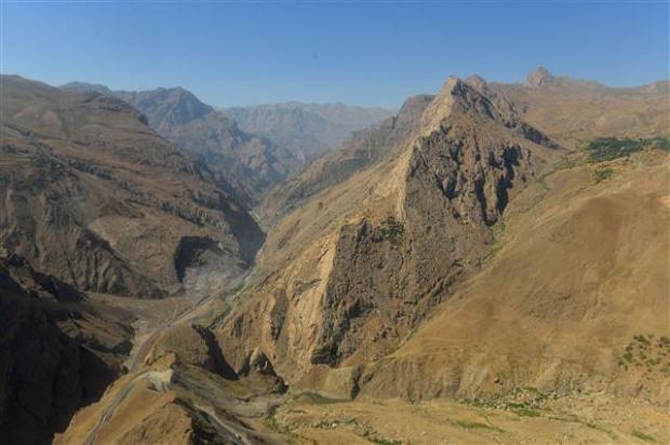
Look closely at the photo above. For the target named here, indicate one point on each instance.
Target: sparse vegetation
(363, 430)
(374, 437)
(272, 423)
(391, 230)
(566, 162)
(526, 401)
(597, 427)
(602, 174)
(642, 339)
(643, 436)
(645, 351)
(607, 149)
(476, 425)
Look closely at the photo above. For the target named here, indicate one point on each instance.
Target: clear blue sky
(366, 53)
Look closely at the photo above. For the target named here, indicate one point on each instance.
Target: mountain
(308, 130)
(245, 150)
(488, 265)
(93, 196)
(364, 148)
(575, 111)
(362, 263)
(238, 162)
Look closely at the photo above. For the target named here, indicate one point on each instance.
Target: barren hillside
(91, 195)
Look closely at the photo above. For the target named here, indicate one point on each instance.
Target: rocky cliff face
(421, 221)
(91, 195)
(57, 352)
(561, 308)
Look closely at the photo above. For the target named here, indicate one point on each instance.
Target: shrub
(602, 174)
(643, 436)
(392, 230)
(607, 149)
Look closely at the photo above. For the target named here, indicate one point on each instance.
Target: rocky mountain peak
(176, 104)
(82, 87)
(462, 97)
(476, 81)
(539, 77)
(441, 106)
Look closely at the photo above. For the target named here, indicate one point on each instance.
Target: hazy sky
(367, 53)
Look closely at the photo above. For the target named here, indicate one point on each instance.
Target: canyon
(488, 264)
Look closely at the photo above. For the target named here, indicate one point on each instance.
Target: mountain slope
(59, 351)
(363, 149)
(307, 130)
(575, 111)
(91, 195)
(576, 299)
(348, 275)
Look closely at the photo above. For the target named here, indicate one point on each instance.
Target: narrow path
(109, 410)
(136, 359)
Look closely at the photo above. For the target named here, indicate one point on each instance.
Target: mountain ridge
(247, 150)
(88, 164)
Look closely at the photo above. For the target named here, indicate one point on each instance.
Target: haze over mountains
(246, 150)
(489, 264)
(308, 130)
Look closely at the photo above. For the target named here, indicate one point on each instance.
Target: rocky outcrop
(193, 345)
(57, 354)
(422, 223)
(91, 195)
(539, 78)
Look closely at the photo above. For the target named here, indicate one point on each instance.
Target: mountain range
(245, 150)
(488, 264)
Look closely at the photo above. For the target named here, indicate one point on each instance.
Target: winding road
(137, 356)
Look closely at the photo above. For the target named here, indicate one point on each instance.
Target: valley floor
(584, 419)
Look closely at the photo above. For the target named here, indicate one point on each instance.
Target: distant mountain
(270, 144)
(542, 78)
(573, 111)
(240, 163)
(84, 87)
(307, 130)
(93, 196)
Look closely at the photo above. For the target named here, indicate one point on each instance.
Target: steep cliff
(354, 270)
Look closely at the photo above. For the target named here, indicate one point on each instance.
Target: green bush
(607, 149)
(643, 436)
(601, 174)
(392, 230)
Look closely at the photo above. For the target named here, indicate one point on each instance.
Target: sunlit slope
(576, 299)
